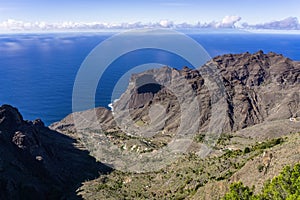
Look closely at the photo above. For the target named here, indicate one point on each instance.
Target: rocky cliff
(229, 93)
(260, 87)
(253, 100)
(39, 163)
(257, 88)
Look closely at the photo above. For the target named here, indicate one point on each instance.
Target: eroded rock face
(39, 163)
(256, 87)
(167, 107)
(260, 87)
(20, 140)
(227, 94)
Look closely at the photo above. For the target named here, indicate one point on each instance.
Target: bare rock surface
(229, 93)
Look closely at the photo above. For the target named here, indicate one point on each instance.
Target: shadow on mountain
(39, 163)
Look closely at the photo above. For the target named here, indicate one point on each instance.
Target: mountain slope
(251, 102)
(228, 94)
(257, 88)
(39, 163)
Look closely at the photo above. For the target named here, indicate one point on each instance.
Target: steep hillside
(255, 88)
(244, 107)
(191, 177)
(39, 163)
(227, 95)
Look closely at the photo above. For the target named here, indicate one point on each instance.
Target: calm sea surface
(37, 72)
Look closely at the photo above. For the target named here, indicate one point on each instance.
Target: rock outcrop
(255, 88)
(260, 87)
(39, 163)
(229, 93)
(166, 108)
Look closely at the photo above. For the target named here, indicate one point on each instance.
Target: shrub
(285, 186)
(260, 167)
(238, 192)
(199, 138)
(269, 143)
(247, 150)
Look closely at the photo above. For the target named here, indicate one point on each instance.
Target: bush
(260, 167)
(285, 186)
(247, 150)
(238, 192)
(199, 138)
(268, 144)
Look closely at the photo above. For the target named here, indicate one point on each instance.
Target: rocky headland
(251, 102)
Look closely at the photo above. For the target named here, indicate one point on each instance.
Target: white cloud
(12, 25)
(290, 23)
(229, 21)
(166, 23)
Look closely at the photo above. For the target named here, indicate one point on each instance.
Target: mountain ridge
(39, 163)
(247, 78)
(252, 103)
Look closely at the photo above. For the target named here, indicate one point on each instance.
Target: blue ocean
(37, 71)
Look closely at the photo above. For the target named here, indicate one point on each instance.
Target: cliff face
(39, 163)
(255, 88)
(250, 99)
(228, 94)
(260, 87)
(251, 95)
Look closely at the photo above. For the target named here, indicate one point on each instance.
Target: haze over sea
(37, 71)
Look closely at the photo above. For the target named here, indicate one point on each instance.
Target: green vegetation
(199, 138)
(268, 144)
(285, 186)
(264, 145)
(189, 175)
(260, 167)
(224, 138)
(140, 123)
(247, 150)
(239, 192)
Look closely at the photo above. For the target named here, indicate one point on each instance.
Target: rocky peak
(251, 89)
(258, 68)
(39, 163)
(9, 117)
(185, 101)
(254, 85)
(24, 134)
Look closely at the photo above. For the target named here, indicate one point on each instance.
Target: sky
(251, 12)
